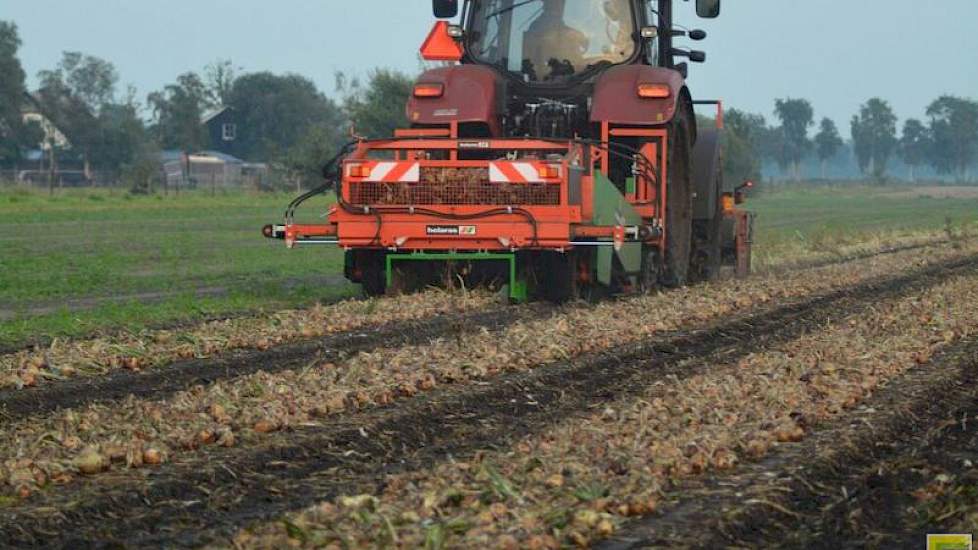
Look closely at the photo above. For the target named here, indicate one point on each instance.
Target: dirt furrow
(160, 382)
(856, 256)
(187, 503)
(898, 468)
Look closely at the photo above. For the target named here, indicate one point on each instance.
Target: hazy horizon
(837, 61)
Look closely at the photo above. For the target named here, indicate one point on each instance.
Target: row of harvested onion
(61, 445)
(151, 348)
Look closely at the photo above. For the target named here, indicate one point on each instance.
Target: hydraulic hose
(330, 177)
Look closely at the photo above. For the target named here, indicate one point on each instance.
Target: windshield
(550, 41)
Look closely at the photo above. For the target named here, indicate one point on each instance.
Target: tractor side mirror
(708, 9)
(697, 56)
(445, 9)
(697, 34)
(683, 69)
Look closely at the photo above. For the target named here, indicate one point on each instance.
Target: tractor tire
(708, 261)
(679, 209)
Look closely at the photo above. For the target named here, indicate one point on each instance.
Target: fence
(172, 175)
(60, 178)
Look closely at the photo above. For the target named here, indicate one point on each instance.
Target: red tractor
(556, 152)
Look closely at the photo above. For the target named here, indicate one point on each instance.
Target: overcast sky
(837, 53)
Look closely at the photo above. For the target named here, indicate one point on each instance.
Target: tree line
(287, 121)
(946, 141)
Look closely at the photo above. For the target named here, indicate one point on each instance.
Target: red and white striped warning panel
(378, 171)
(523, 172)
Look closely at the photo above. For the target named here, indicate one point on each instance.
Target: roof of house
(213, 114)
(171, 155)
(230, 159)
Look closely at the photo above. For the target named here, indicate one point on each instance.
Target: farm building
(211, 169)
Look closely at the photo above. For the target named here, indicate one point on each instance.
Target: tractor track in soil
(850, 484)
(162, 381)
(206, 497)
(815, 264)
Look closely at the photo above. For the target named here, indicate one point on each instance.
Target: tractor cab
(555, 43)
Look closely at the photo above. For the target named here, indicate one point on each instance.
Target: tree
(304, 161)
(377, 109)
(15, 136)
(914, 145)
(874, 136)
(744, 139)
(796, 117)
(177, 113)
(73, 96)
(276, 113)
(954, 130)
(122, 136)
(219, 79)
(89, 78)
(827, 142)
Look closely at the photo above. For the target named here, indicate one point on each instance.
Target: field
(200, 387)
(94, 260)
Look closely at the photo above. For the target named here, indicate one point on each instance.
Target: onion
(152, 456)
(91, 462)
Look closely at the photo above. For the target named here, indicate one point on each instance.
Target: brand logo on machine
(451, 230)
(950, 542)
(473, 145)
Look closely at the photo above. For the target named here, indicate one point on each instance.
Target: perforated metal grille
(455, 187)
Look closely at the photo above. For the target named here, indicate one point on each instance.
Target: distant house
(222, 129)
(31, 113)
(46, 161)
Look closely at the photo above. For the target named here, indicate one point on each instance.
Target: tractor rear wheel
(679, 210)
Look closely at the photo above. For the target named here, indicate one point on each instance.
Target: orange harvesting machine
(558, 154)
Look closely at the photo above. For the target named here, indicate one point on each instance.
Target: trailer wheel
(679, 210)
